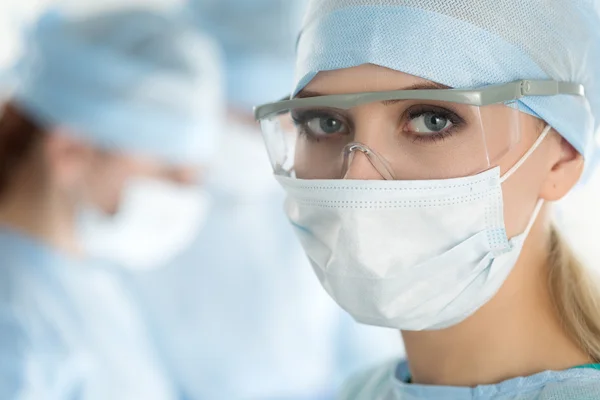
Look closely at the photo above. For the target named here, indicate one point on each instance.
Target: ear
(565, 170)
(69, 159)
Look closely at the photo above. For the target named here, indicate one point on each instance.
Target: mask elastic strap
(536, 212)
(525, 157)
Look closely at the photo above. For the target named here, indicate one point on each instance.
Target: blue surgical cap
(466, 43)
(258, 39)
(133, 80)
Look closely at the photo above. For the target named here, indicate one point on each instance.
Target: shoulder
(32, 321)
(17, 349)
(25, 285)
(578, 383)
(373, 384)
(29, 277)
(21, 259)
(37, 354)
(581, 384)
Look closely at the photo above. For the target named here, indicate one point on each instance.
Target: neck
(39, 213)
(518, 333)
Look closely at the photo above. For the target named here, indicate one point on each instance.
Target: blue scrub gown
(68, 330)
(388, 382)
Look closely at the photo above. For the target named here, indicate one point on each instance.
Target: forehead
(364, 78)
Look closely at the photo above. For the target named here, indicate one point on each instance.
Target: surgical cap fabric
(134, 80)
(258, 39)
(466, 44)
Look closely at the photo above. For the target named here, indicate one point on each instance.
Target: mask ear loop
(515, 168)
(526, 156)
(536, 212)
(378, 162)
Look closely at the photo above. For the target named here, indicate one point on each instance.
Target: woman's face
(87, 175)
(109, 173)
(423, 139)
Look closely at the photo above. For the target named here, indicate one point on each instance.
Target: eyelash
(300, 120)
(419, 111)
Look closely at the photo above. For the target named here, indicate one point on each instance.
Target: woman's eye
(429, 123)
(324, 126)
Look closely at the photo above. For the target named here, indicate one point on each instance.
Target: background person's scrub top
(68, 330)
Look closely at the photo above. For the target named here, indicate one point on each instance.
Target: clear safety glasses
(405, 134)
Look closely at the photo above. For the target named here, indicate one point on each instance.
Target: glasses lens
(417, 139)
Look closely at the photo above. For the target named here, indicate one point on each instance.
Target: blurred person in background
(112, 117)
(238, 315)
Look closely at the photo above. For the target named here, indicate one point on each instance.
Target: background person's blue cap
(259, 41)
(134, 79)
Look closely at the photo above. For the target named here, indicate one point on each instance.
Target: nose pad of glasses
(377, 162)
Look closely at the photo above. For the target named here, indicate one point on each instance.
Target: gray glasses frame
(484, 96)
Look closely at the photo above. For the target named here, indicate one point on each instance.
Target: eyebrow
(417, 86)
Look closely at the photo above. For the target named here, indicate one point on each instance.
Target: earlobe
(564, 173)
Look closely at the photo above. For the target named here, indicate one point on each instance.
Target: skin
(518, 332)
(63, 173)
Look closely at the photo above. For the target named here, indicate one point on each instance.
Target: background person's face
(109, 173)
(97, 178)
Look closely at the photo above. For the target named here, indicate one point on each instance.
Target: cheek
(105, 185)
(112, 174)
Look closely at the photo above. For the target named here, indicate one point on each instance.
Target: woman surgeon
(421, 151)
